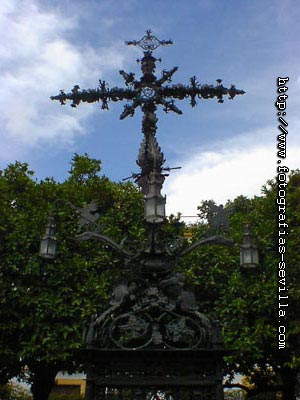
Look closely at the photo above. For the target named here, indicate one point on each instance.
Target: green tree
(246, 302)
(45, 303)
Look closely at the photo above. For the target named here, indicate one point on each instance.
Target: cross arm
(102, 93)
(201, 91)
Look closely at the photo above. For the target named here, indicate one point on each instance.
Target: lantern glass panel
(48, 247)
(249, 256)
(255, 255)
(155, 209)
(149, 208)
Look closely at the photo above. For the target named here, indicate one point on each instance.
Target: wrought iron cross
(147, 93)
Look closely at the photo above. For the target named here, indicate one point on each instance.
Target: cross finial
(149, 42)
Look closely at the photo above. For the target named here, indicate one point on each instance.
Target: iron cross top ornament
(149, 91)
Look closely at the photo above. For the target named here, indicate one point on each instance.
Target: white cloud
(239, 166)
(37, 60)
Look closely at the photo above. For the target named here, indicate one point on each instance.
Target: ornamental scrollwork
(143, 315)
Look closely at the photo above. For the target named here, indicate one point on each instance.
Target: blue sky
(224, 149)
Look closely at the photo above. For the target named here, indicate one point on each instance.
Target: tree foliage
(246, 302)
(45, 303)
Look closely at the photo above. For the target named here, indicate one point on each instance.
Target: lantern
(48, 245)
(155, 209)
(248, 251)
